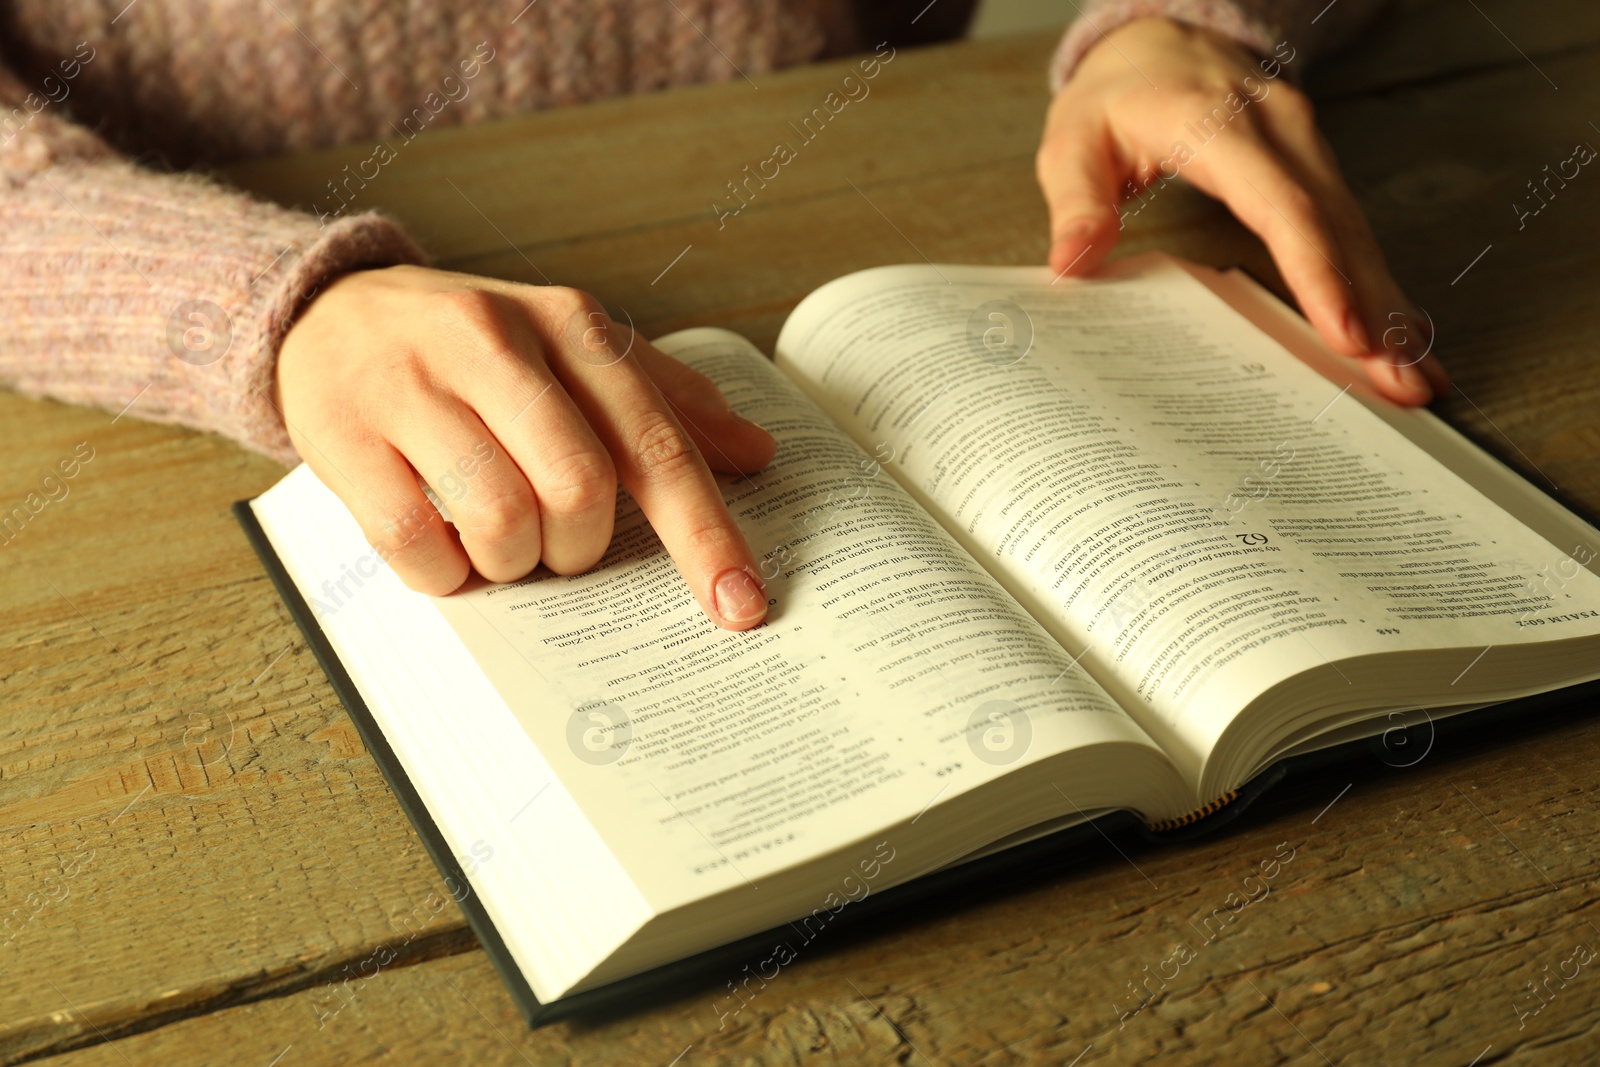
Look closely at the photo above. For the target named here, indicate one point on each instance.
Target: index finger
(1079, 173)
(661, 467)
(658, 463)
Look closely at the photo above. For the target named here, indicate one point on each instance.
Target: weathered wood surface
(1403, 929)
(195, 844)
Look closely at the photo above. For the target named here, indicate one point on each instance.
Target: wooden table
(197, 848)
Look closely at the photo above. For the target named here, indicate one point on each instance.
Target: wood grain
(1404, 928)
(197, 850)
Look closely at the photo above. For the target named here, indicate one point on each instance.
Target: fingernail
(1357, 330)
(739, 597)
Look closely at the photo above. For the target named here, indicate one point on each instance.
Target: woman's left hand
(1129, 113)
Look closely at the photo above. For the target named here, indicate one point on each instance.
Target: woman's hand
(522, 407)
(1155, 100)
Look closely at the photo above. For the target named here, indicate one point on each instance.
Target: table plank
(1404, 928)
(545, 179)
(239, 882)
(187, 812)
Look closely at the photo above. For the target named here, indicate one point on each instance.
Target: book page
(708, 759)
(1533, 508)
(547, 881)
(1172, 492)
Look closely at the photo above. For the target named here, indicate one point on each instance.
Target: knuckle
(398, 532)
(661, 449)
(470, 311)
(477, 324)
(500, 518)
(580, 483)
(388, 542)
(405, 374)
(716, 536)
(567, 302)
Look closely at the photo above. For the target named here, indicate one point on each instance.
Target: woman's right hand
(522, 407)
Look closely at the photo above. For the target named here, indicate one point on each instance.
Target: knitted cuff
(243, 395)
(1224, 17)
(165, 296)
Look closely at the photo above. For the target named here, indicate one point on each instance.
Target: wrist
(296, 315)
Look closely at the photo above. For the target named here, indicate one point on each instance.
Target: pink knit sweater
(131, 286)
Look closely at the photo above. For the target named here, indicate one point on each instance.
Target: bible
(1039, 553)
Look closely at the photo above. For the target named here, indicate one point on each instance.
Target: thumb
(1077, 173)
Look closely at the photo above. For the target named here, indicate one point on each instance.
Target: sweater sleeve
(164, 296)
(1310, 27)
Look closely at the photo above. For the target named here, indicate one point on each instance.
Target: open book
(1037, 551)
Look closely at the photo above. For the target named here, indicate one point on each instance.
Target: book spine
(1195, 816)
